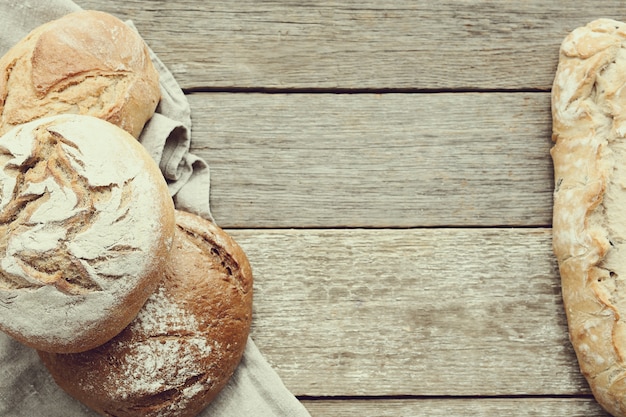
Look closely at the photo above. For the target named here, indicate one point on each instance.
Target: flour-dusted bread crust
(186, 342)
(589, 224)
(86, 62)
(86, 226)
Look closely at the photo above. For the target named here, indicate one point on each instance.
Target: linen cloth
(26, 388)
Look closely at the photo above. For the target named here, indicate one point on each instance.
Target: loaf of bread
(86, 227)
(86, 62)
(186, 342)
(589, 221)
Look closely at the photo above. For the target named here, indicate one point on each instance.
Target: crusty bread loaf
(87, 62)
(589, 224)
(186, 342)
(86, 226)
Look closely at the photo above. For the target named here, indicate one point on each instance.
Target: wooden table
(386, 167)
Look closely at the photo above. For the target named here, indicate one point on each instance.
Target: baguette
(589, 220)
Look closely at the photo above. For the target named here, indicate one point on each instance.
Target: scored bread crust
(86, 62)
(589, 220)
(86, 227)
(184, 344)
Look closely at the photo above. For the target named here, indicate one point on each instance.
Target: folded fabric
(26, 388)
(167, 136)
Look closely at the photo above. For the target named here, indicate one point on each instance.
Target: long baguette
(589, 220)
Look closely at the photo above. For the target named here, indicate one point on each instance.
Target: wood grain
(346, 44)
(376, 160)
(400, 241)
(426, 312)
(457, 407)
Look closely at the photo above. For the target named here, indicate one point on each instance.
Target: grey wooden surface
(385, 166)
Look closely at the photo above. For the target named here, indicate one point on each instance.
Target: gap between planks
(461, 407)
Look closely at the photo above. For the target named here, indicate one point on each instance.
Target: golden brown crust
(87, 62)
(186, 342)
(589, 226)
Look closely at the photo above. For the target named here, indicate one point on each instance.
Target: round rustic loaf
(185, 343)
(86, 62)
(86, 226)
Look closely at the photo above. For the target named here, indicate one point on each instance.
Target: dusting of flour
(164, 353)
(79, 228)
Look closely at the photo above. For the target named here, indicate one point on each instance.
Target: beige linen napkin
(26, 388)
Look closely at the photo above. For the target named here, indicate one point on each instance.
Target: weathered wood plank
(456, 407)
(463, 312)
(362, 45)
(390, 160)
